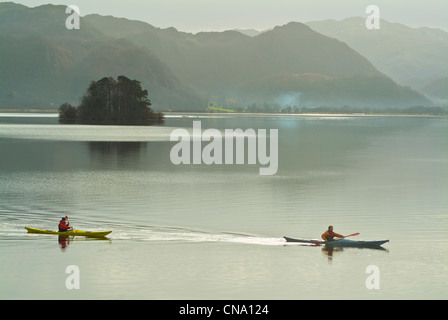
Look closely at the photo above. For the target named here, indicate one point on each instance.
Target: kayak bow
(73, 232)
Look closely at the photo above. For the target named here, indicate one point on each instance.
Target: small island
(109, 101)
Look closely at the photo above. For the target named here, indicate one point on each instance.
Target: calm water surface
(215, 232)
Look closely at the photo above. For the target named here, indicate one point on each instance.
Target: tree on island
(110, 101)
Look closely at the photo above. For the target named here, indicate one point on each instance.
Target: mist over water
(289, 99)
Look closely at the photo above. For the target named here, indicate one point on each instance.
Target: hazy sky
(208, 15)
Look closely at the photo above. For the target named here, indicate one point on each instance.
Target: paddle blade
(353, 234)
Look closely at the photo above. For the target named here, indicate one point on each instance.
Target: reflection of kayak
(341, 242)
(97, 234)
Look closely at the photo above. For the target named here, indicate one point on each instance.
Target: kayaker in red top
(64, 225)
(329, 234)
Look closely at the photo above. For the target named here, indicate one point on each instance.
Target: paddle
(68, 223)
(352, 235)
(71, 227)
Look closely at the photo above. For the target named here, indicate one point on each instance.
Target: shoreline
(311, 114)
(5, 110)
(326, 114)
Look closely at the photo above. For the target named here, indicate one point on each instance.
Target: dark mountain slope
(43, 64)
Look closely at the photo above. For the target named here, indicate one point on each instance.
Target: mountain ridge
(181, 70)
(80, 62)
(413, 57)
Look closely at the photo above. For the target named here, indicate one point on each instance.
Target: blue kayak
(341, 242)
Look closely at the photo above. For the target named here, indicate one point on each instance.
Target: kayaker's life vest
(329, 236)
(63, 226)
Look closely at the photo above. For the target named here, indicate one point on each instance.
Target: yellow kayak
(72, 232)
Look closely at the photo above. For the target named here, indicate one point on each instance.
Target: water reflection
(330, 252)
(116, 148)
(64, 241)
(116, 154)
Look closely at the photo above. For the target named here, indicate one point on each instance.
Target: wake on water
(14, 230)
(186, 235)
(13, 223)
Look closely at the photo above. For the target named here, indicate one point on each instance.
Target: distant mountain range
(415, 57)
(43, 64)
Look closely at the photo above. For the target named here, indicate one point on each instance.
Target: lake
(216, 231)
